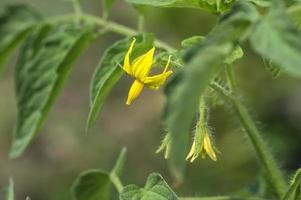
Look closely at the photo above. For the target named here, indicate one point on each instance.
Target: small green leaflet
(212, 5)
(109, 71)
(155, 189)
(43, 65)
(92, 185)
(15, 23)
(192, 41)
(276, 38)
(96, 184)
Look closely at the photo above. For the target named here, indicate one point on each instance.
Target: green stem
(141, 23)
(231, 79)
(116, 182)
(265, 156)
(274, 173)
(77, 8)
(110, 26)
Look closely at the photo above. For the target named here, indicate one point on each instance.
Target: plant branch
(141, 23)
(231, 79)
(116, 182)
(265, 156)
(110, 26)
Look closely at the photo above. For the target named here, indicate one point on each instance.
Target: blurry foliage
(51, 45)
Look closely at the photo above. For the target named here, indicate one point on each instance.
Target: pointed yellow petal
(134, 92)
(154, 82)
(192, 152)
(208, 148)
(142, 65)
(126, 63)
(167, 152)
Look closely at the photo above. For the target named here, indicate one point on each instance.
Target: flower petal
(191, 153)
(134, 92)
(208, 148)
(142, 65)
(126, 62)
(154, 82)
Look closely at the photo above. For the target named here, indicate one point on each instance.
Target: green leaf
(107, 5)
(276, 38)
(10, 195)
(215, 6)
(109, 71)
(192, 41)
(203, 62)
(15, 24)
(44, 64)
(155, 189)
(236, 54)
(92, 185)
(233, 26)
(196, 40)
(106, 75)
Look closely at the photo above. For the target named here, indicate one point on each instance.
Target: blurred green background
(63, 149)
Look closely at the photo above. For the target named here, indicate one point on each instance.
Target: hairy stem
(265, 156)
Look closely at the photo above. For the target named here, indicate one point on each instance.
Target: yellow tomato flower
(139, 69)
(202, 144)
(201, 147)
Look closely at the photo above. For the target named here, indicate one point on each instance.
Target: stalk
(265, 156)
